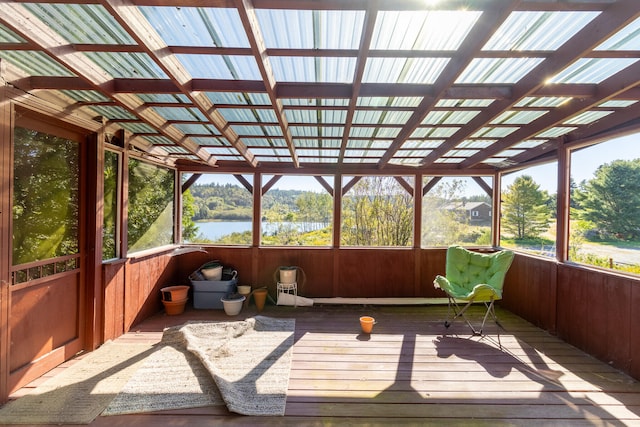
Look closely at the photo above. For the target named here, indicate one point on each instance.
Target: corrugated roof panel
(210, 140)
(555, 132)
(305, 143)
(175, 149)
(230, 98)
(592, 70)
(451, 160)
(460, 117)
(137, 127)
(510, 153)
(178, 113)
(422, 144)
(403, 70)
(413, 153)
(497, 70)
(271, 151)
(35, 63)
(538, 30)
(362, 160)
(422, 30)
(362, 132)
(221, 151)
(542, 102)
(81, 23)
(530, 143)
(435, 117)
(463, 103)
(161, 140)
(304, 131)
(248, 115)
(443, 132)
(388, 132)
(273, 130)
(301, 116)
(371, 144)
(8, 36)
(386, 101)
(307, 29)
(396, 117)
(113, 113)
(587, 117)
(331, 143)
(626, 39)
(617, 103)
(333, 116)
(127, 65)
(224, 67)
(167, 98)
(196, 129)
(476, 143)
(364, 153)
(494, 132)
(191, 26)
(332, 131)
(415, 161)
(512, 117)
(368, 116)
(85, 95)
(313, 69)
(461, 153)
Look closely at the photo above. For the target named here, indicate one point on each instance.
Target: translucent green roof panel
(403, 70)
(542, 102)
(477, 143)
(422, 30)
(195, 129)
(626, 39)
(166, 98)
(127, 65)
(113, 113)
(81, 23)
(333, 116)
(311, 29)
(190, 26)
(313, 69)
(137, 127)
(85, 95)
(587, 117)
(179, 113)
(497, 70)
(538, 30)
(8, 36)
(430, 144)
(226, 67)
(592, 70)
(512, 117)
(368, 116)
(555, 132)
(301, 116)
(35, 63)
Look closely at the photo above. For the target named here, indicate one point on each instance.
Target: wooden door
(48, 224)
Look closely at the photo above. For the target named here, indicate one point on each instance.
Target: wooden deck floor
(412, 371)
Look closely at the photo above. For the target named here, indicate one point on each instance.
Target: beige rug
(249, 362)
(82, 391)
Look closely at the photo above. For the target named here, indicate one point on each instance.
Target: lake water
(213, 230)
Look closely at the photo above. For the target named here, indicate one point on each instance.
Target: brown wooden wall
(591, 309)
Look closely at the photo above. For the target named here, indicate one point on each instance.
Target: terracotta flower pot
(174, 307)
(260, 296)
(366, 323)
(174, 293)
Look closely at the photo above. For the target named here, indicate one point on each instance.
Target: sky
(584, 162)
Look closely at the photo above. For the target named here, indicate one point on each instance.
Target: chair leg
(457, 312)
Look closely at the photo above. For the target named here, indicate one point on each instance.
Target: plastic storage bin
(207, 294)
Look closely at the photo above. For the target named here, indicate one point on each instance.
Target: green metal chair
(473, 277)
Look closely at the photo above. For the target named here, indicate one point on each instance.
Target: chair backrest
(467, 269)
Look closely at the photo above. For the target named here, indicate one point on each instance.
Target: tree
(378, 212)
(189, 227)
(525, 209)
(612, 198)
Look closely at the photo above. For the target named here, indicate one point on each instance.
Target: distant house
(472, 211)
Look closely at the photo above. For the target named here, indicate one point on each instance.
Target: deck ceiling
(336, 84)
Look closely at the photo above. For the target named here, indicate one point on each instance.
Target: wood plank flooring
(413, 371)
